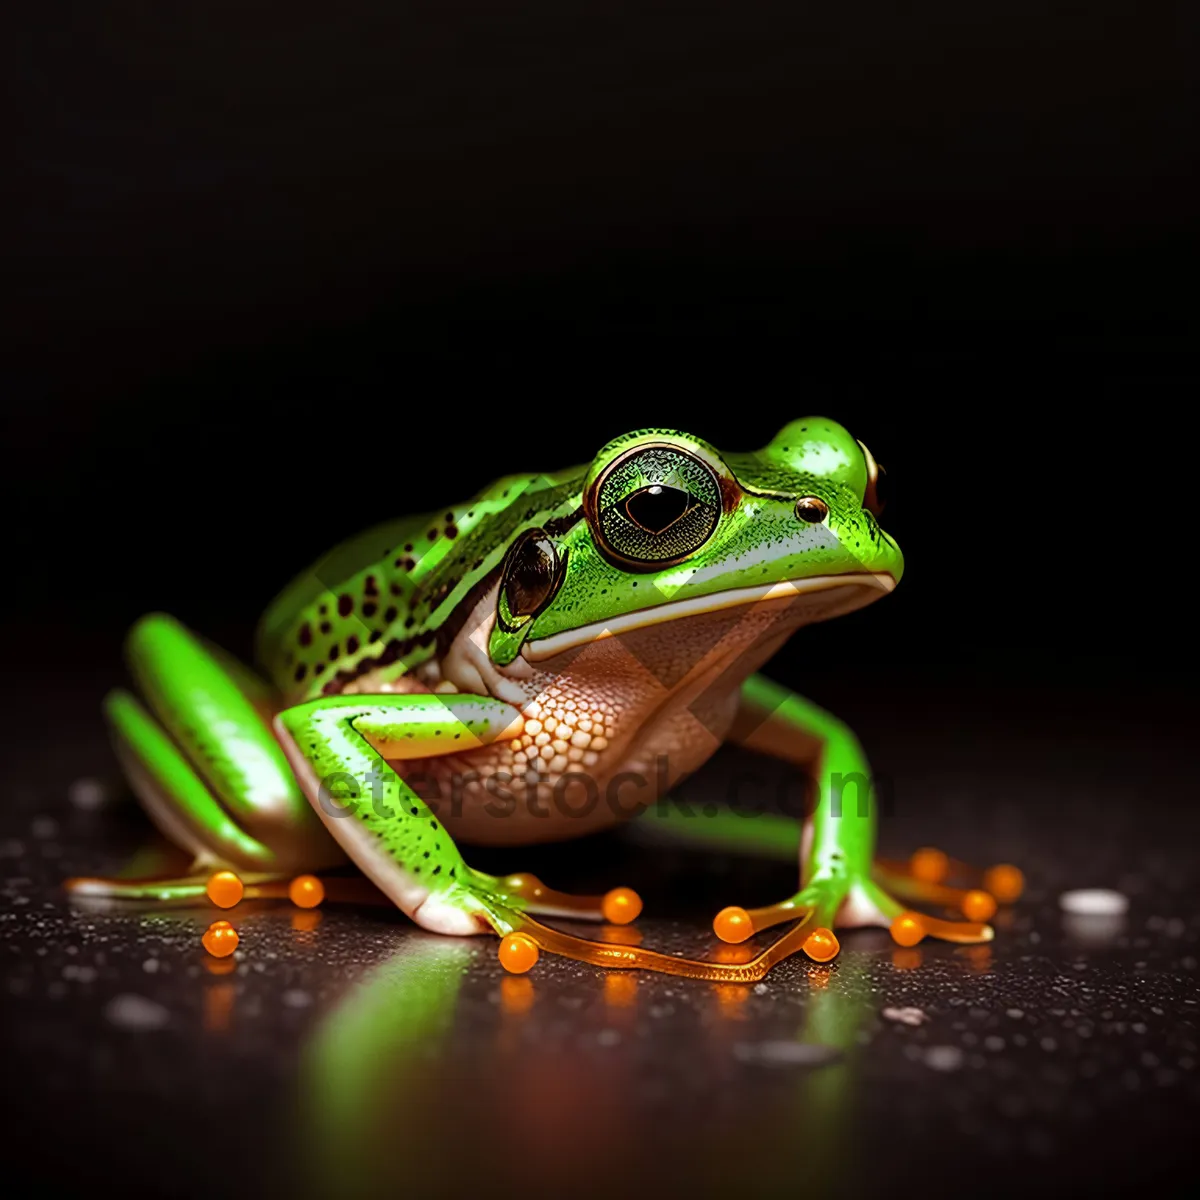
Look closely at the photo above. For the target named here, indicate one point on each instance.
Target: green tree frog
(544, 660)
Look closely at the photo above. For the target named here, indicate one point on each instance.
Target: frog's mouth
(833, 595)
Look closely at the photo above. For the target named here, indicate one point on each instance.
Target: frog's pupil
(658, 507)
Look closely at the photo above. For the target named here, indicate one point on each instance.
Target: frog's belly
(608, 732)
(487, 798)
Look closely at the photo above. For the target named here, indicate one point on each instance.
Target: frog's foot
(170, 890)
(932, 877)
(835, 902)
(224, 887)
(817, 906)
(519, 950)
(227, 888)
(523, 938)
(506, 904)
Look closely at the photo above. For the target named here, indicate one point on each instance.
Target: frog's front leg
(840, 884)
(341, 748)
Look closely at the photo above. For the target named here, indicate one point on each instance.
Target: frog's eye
(874, 498)
(655, 506)
(531, 574)
(812, 509)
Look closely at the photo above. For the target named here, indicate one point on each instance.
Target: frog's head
(671, 531)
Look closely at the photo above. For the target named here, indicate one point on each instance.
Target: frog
(546, 660)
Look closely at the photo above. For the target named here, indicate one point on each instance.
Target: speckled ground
(343, 1051)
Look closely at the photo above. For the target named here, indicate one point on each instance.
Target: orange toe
(929, 865)
(978, 906)
(621, 906)
(907, 929)
(1005, 882)
(306, 891)
(821, 945)
(518, 953)
(225, 889)
(733, 924)
(220, 939)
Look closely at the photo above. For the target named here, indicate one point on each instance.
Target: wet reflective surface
(341, 1050)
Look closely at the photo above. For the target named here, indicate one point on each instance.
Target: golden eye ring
(654, 506)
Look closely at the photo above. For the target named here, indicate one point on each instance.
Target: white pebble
(87, 795)
(136, 1012)
(295, 998)
(1094, 902)
(906, 1016)
(944, 1058)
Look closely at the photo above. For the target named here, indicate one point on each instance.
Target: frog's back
(378, 599)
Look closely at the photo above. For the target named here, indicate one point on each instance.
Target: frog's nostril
(812, 509)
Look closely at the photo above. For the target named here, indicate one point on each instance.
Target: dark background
(278, 275)
(275, 273)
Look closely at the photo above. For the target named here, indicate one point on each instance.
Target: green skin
(428, 642)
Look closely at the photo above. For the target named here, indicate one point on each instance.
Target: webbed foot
(931, 877)
(835, 902)
(519, 951)
(526, 938)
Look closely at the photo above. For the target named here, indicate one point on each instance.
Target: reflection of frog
(420, 1047)
(535, 656)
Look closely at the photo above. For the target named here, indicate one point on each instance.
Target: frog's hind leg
(206, 769)
(180, 805)
(839, 880)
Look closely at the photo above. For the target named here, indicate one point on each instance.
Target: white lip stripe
(786, 589)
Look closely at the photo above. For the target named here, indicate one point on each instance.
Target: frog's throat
(870, 585)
